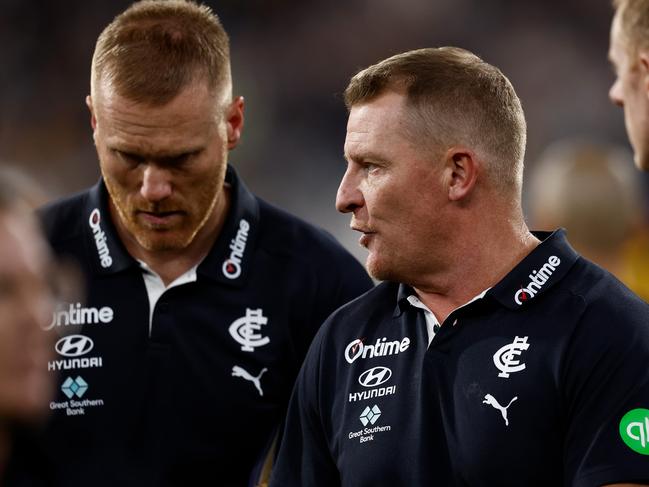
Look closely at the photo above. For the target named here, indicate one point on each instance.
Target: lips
(366, 238)
(159, 218)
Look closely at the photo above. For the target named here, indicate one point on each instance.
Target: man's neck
(476, 265)
(171, 264)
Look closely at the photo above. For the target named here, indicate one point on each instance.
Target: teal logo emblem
(74, 387)
(634, 430)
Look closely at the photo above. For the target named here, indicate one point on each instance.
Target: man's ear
(643, 58)
(234, 120)
(93, 119)
(462, 168)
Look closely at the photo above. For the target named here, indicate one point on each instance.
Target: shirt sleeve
(339, 278)
(304, 457)
(606, 386)
(343, 280)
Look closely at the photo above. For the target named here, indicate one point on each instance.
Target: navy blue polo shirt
(195, 400)
(543, 381)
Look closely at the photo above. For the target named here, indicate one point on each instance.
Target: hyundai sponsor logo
(74, 345)
(372, 393)
(375, 376)
(75, 363)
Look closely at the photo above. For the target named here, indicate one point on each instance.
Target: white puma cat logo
(241, 372)
(489, 399)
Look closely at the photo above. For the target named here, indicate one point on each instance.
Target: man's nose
(156, 183)
(615, 93)
(349, 196)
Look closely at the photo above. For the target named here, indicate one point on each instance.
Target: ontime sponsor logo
(357, 348)
(232, 265)
(100, 239)
(75, 314)
(537, 279)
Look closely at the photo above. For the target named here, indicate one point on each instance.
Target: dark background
(291, 61)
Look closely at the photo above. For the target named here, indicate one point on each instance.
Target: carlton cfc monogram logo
(244, 330)
(506, 358)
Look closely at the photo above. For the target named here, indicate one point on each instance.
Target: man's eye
(177, 161)
(371, 167)
(128, 158)
(181, 159)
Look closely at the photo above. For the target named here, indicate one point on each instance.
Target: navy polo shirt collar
(108, 254)
(545, 266)
(541, 270)
(402, 299)
(228, 261)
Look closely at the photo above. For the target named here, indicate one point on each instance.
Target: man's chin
(162, 243)
(641, 161)
(378, 269)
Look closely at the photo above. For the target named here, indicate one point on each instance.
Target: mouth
(365, 239)
(159, 218)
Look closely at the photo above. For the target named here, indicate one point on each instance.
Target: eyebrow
(365, 156)
(157, 156)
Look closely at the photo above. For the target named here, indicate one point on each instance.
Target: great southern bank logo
(537, 280)
(370, 415)
(232, 265)
(100, 239)
(74, 387)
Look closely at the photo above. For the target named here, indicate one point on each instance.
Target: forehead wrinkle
(194, 104)
(154, 119)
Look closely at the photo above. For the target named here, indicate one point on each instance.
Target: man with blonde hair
(629, 56)
(202, 298)
(490, 355)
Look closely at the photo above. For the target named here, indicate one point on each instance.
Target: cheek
(121, 182)
(108, 166)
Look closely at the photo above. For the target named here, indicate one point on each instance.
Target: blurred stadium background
(291, 61)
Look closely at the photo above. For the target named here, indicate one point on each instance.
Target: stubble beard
(154, 240)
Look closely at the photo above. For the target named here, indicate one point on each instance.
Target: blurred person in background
(629, 56)
(202, 298)
(592, 190)
(26, 305)
(490, 355)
